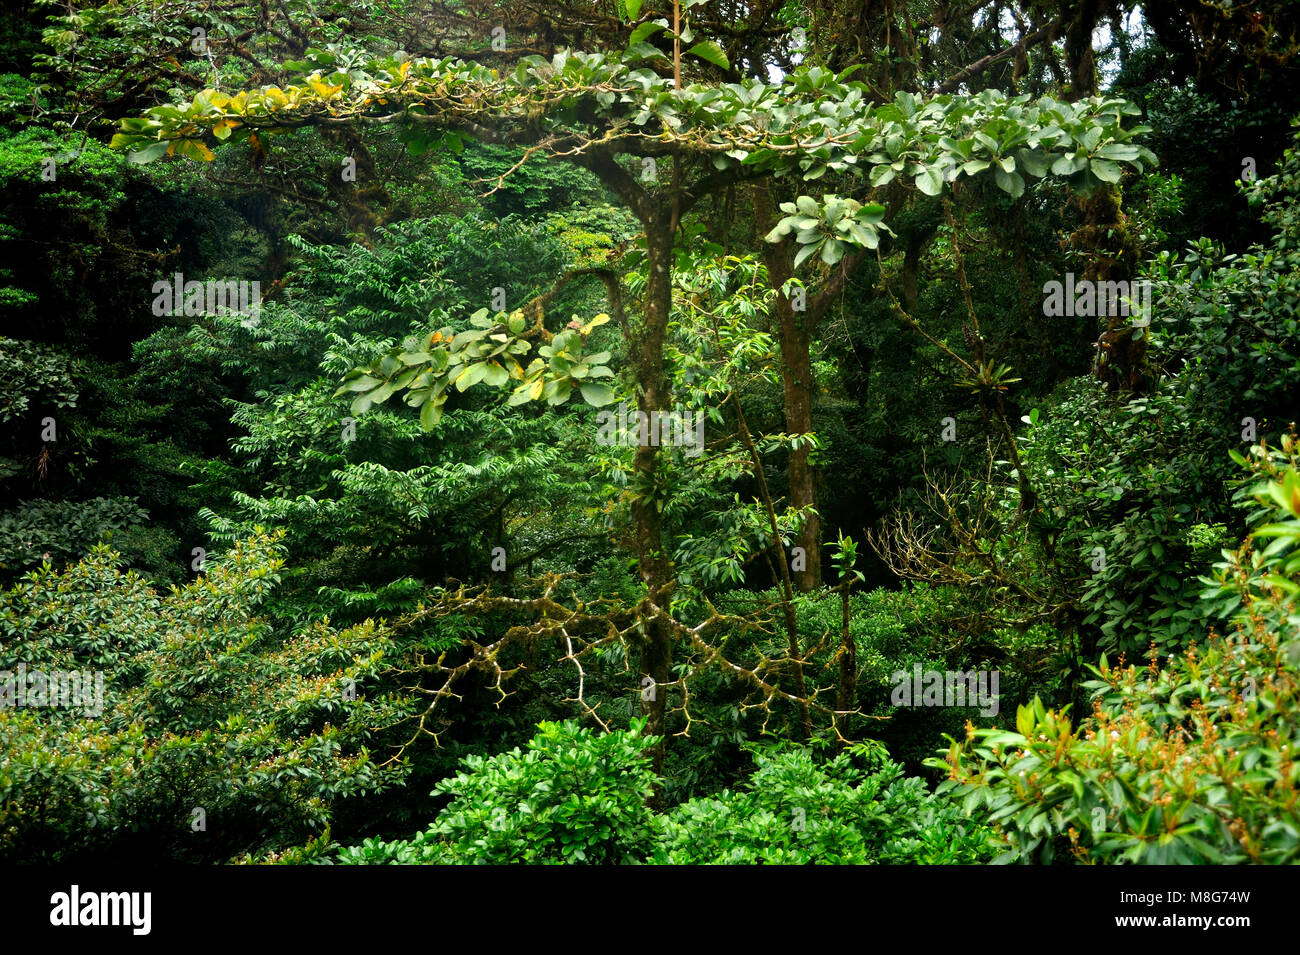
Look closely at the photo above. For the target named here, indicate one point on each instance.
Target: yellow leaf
(323, 90)
(193, 149)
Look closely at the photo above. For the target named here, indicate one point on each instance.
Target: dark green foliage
(59, 531)
(329, 627)
(64, 243)
(576, 796)
(854, 809)
(1187, 763)
(572, 797)
(378, 500)
(204, 707)
(534, 188)
(1134, 477)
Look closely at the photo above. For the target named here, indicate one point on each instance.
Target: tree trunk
(652, 562)
(797, 381)
(794, 335)
(1120, 359)
(846, 692)
(646, 351)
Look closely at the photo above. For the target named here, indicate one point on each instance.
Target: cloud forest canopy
(898, 553)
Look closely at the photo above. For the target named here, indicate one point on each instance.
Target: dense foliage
(663, 432)
(1191, 761)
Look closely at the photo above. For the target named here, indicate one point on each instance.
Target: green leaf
(804, 253)
(644, 51)
(710, 51)
(596, 393)
(1120, 152)
(809, 207)
(880, 175)
(1009, 182)
(645, 30)
(193, 149)
(864, 235)
(430, 415)
(382, 393)
(1033, 162)
(832, 251)
(464, 338)
(472, 375)
(1105, 170)
(557, 392)
(1068, 165)
(363, 383)
(149, 153)
(930, 181)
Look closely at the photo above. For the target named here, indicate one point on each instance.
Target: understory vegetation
(650, 432)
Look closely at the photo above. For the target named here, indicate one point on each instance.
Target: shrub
(576, 796)
(58, 531)
(795, 810)
(1192, 762)
(203, 707)
(571, 797)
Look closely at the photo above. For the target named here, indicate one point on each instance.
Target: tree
(207, 735)
(596, 109)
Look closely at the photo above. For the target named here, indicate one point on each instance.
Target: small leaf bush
(575, 796)
(795, 811)
(1190, 762)
(205, 706)
(570, 797)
